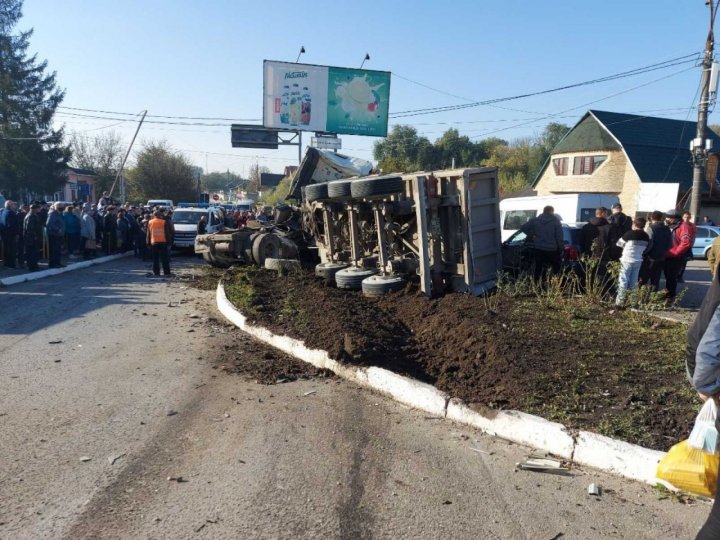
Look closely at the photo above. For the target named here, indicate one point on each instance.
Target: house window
(560, 165)
(587, 164)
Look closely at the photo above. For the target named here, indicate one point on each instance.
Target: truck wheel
(212, 261)
(327, 270)
(366, 188)
(265, 246)
(249, 250)
(339, 189)
(352, 278)
(380, 285)
(283, 266)
(316, 192)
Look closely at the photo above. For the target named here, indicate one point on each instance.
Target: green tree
(401, 149)
(221, 181)
(253, 183)
(32, 155)
(102, 154)
(161, 174)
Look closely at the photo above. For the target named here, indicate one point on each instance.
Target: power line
(161, 115)
(588, 103)
(630, 73)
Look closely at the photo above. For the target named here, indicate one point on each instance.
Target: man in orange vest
(158, 237)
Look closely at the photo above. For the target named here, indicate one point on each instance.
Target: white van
(570, 208)
(185, 221)
(162, 203)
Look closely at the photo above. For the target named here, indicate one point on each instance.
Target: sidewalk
(13, 276)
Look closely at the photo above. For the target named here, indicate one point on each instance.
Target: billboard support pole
(299, 147)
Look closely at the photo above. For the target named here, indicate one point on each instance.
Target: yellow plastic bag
(690, 469)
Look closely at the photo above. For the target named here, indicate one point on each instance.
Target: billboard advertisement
(324, 98)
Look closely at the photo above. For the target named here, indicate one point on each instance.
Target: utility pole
(122, 165)
(698, 148)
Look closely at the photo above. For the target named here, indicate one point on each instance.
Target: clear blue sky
(204, 58)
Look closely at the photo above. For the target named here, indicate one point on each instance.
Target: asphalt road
(92, 428)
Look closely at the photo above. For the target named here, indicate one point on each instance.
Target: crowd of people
(646, 249)
(83, 230)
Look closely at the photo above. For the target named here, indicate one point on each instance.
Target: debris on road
(310, 393)
(178, 479)
(543, 464)
(447, 502)
(85, 459)
(57, 360)
(55, 342)
(594, 489)
(194, 316)
(113, 459)
(171, 413)
(480, 451)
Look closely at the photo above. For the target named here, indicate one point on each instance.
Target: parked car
(517, 250)
(704, 238)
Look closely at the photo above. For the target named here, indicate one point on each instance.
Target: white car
(185, 221)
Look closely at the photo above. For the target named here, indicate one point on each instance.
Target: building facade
(643, 160)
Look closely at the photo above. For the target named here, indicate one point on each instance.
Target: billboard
(325, 98)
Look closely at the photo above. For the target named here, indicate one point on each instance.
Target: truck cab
(186, 219)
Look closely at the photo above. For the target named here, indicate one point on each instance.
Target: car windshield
(187, 217)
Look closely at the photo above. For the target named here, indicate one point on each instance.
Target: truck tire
(339, 189)
(212, 261)
(248, 251)
(265, 246)
(316, 192)
(283, 266)
(352, 278)
(366, 188)
(380, 285)
(327, 270)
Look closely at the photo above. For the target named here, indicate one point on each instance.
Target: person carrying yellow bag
(692, 465)
(703, 370)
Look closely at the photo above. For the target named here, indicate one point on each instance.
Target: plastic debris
(310, 393)
(594, 489)
(543, 464)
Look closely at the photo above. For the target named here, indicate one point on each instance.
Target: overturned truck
(374, 232)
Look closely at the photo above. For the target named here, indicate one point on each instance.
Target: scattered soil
(619, 374)
(234, 351)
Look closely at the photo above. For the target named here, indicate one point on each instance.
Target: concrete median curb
(583, 447)
(32, 276)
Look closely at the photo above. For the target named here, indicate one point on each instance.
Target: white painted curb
(516, 426)
(585, 448)
(32, 276)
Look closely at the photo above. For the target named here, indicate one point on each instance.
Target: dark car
(517, 250)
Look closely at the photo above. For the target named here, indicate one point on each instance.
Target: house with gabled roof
(617, 153)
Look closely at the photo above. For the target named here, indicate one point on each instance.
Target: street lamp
(302, 51)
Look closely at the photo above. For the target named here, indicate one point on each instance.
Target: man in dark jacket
(660, 243)
(33, 236)
(623, 222)
(9, 231)
(110, 231)
(545, 234)
(599, 237)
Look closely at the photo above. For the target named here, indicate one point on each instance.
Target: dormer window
(560, 165)
(587, 164)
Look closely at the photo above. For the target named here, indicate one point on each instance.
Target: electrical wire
(630, 73)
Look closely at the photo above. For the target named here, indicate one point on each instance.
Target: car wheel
(367, 188)
(352, 278)
(327, 270)
(265, 246)
(380, 285)
(705, 253)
